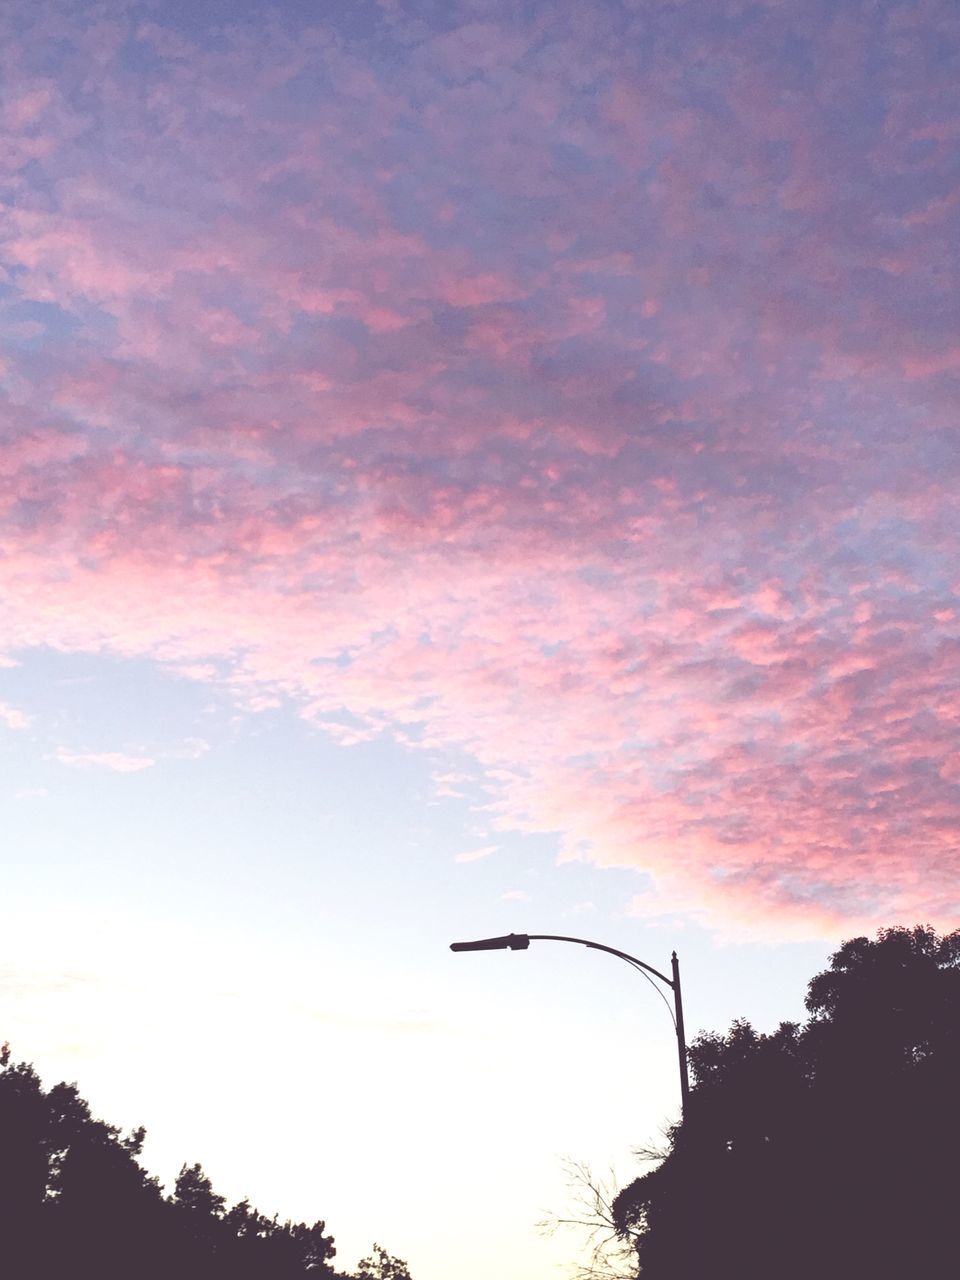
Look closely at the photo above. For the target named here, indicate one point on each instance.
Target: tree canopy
(74, 1200)
(824, 1150)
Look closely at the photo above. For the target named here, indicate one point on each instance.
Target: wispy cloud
(13, 718)
(474, 855)
(190, 749)
(117, 761)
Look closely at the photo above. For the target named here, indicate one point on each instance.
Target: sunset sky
(465, 466)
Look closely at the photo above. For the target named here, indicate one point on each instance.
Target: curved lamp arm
(521, 941)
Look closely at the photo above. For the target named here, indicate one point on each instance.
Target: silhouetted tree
(827, 1150)
(74, 1201)
(381, 1266)
(24, 1161)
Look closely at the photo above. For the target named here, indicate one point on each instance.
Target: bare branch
(608, 1254)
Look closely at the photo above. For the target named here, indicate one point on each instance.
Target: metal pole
(681, 1038)
(521, 941)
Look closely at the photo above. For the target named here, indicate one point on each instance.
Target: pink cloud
(12, 717)
(587, 413)
(473, 855)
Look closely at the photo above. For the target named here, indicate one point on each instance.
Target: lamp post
(521, 941)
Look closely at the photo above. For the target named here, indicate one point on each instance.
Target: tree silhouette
(74, 1201)
(24, 1160)
(381, 1266)
(825, 1150)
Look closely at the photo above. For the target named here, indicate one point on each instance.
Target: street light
(521, 941)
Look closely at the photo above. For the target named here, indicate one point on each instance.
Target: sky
(464, 467)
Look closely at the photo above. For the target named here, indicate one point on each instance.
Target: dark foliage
(380, 1265)
(74, 1201)
(828, 1150)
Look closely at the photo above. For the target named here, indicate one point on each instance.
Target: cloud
(13, 718)
(474, 855)
(190, 749)
(117, 761)
(608, 439)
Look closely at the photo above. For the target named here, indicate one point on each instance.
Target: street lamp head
(515, 941)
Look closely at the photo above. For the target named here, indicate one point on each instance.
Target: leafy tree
(74, 1200)
(825, 1150)
(24, 1160)
(193, 1193)
(381, 1266)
